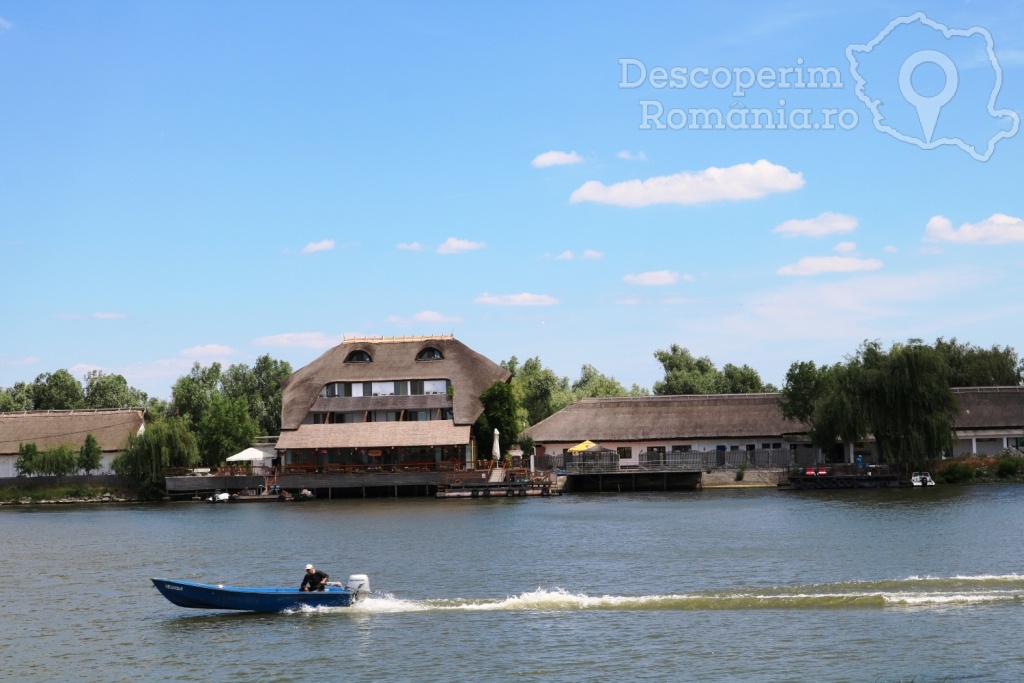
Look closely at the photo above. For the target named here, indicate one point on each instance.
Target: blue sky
(583, 182)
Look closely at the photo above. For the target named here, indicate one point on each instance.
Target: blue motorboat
(218, 596)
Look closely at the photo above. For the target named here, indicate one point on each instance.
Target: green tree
(685, 374)
(501, 412)
(973, 366)
(907, 398)
(225, 429)
(743, 380)
(539, 391)
(111, 391)
(57, 391)
(90, 456)
(806, 385)
(27, 461)
(57, 461)
(593, 384)
(18, 397)
(260, 386)
(163, 444)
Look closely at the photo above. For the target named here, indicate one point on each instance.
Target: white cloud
(554, 158)
(845, 247)
(743, 181)
(5, 25)
(890, 249)
(565, 256)
(304, 340)
(523, 299)
(827, 223)
(592, 255)
(815, 265)
(653, 278)
(322, 245)
(677, 300)
(453, 245)
(425, 317)
(410, 246)
(207, 351)
(630, 156)
(109, 316)
(998, 229)
(82, 369)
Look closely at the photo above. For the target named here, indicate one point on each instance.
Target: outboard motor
(359, 584)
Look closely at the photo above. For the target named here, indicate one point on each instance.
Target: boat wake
(909, 593)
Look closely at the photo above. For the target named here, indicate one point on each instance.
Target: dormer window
(429, 353)
(359, 357)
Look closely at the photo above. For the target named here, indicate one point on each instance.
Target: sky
(587, 183)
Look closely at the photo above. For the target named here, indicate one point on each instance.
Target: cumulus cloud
(554, 158)
(5, 25)
(592, 255)
(743, 181)
(653, 278)
(108, 316)
(631, 156)
(410, 246)
(827, 223)
(207, 351)
(425, 317)
(322, 245)
(26, 360)
(845, 247)
(304, 340)
(890, 249)
(816, 265)
(565, 256)
(998, 229)
(523, 299)
(454, 245)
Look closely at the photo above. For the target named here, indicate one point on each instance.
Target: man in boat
(314, 580)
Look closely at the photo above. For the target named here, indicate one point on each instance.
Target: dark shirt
(313, 580)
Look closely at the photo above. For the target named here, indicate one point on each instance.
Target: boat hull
(210, 596)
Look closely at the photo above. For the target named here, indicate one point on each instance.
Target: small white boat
(922, 479)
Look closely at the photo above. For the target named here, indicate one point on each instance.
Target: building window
(429, 353)
(319, 418)
(681, 448)
(625, 452)
(435, 386)
(383, 388)
(359, 356)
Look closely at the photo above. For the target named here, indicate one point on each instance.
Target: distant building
(990, 419)
(387, 401)
(47, 428)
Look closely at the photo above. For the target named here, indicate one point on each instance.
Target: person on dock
(314, 580)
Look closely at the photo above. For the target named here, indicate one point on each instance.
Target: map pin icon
(928, 108)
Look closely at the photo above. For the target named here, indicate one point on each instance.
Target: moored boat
(922, 479)
(219, 596)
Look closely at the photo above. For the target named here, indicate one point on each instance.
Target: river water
(726, 585)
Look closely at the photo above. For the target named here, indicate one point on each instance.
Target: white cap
(309, 566)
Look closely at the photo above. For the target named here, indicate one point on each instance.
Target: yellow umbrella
(580, 447)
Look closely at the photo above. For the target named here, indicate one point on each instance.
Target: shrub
(1008, 466)
(957, 473)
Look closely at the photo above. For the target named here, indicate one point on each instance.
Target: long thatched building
(386, 401)
(990, 419)
(48, 428)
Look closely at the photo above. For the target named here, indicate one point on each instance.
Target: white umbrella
(495, 447)
(248, 455)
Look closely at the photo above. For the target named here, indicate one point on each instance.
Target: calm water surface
(759, 585)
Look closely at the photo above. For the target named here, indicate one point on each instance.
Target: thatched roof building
(386, 392)
(47, 428)
(990, 419)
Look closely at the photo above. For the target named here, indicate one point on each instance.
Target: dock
(842, 476)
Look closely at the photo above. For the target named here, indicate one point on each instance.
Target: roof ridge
(397, 340)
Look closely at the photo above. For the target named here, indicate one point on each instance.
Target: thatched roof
(990, 407)
(394, 359)
(666, 417)
(47, 428)
(375, 434)
(736, 416)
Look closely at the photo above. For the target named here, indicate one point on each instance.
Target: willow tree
(162, 445)
(906, 396)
